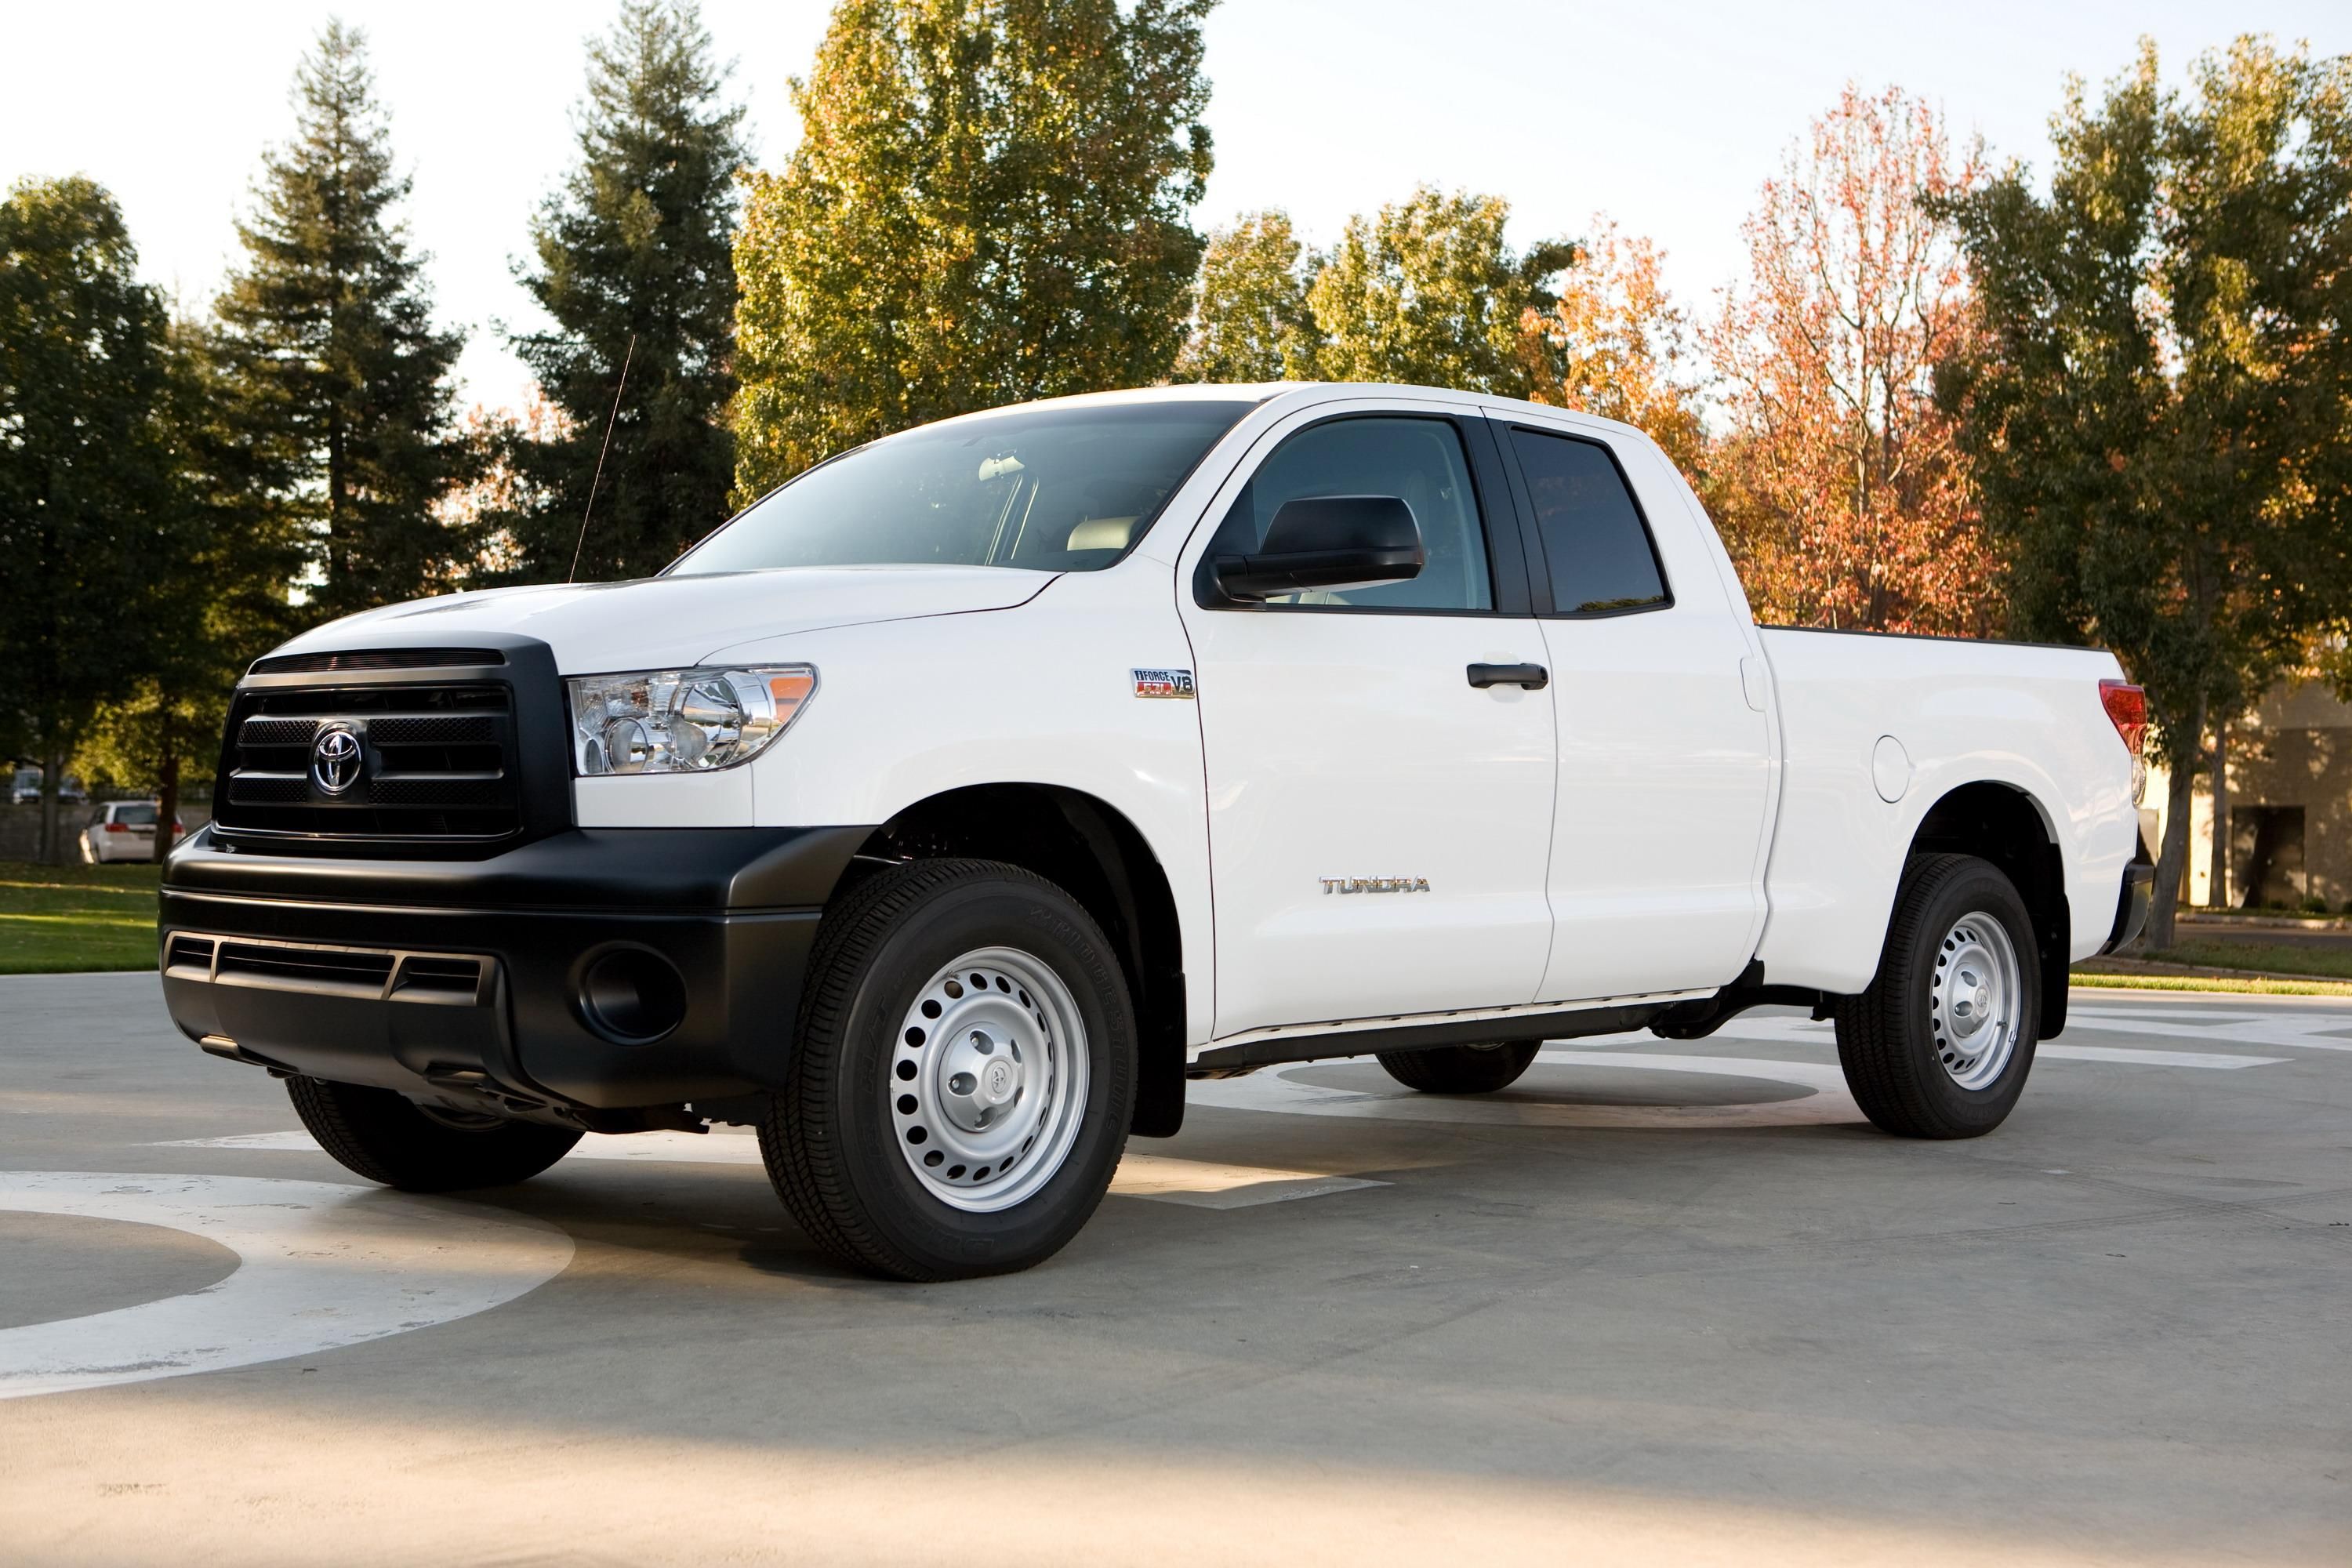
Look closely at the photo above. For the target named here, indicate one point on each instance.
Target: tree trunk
(53, 774)
(167, 803)
(2217, 896)
(2172, 856)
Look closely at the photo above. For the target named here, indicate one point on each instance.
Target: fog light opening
(631, 995)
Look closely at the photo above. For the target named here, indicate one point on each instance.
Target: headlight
(683, 721)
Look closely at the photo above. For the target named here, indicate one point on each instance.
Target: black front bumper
(461, 980)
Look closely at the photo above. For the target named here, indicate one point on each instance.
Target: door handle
(1534, 677)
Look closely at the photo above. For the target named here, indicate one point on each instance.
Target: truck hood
(657, 623)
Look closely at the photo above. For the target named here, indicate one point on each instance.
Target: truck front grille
(376, 658)
(436, 761)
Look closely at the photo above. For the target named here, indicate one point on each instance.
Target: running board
(1363, 1036)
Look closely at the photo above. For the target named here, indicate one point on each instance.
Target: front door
(1379, 826)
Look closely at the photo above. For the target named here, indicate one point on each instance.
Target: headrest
(1102, 533)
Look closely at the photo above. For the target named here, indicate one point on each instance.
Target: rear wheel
(1940, 1044)
(962, 1076)
(388, 1137)
(1462, 1069)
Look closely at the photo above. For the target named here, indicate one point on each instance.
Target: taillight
(116, 827)
(2127, 707)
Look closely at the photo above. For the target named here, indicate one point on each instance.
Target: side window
(1421, 461)
(1593, 537)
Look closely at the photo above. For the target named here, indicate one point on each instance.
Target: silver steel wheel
(988, 1084)
(1974, 1002)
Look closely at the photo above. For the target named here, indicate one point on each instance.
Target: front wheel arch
(1091, 849)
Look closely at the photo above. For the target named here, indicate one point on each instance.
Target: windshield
(135, 815)
(1050, 488)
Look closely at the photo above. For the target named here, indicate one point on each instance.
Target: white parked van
(123, 830)
(946, 811)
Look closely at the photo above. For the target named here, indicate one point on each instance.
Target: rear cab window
(1598, 556)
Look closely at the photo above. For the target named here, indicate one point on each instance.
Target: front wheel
(962, 1076)
(1462, 1069)
(1940, 1044)
(388, 1137)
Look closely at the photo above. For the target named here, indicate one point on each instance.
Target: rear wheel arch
(2007, 826)
(1091, 850)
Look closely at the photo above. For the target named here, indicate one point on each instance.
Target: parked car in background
(124, 830)
(27, 790)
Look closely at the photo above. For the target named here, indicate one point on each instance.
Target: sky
(1666, 117)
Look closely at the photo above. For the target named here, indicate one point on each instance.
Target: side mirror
(1327, 541)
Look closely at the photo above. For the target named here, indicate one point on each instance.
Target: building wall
(2293, 750)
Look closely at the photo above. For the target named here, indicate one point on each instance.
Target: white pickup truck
(944, 811)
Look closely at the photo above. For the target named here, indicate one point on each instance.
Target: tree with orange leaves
(1614, 343)
(1839, 485)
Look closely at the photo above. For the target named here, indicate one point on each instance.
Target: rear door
(1665, 750)
(1378, 825)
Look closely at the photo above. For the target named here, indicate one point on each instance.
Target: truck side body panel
(1955, 713)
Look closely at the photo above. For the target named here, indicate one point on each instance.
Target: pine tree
(634, 264)
(990, 202)
(339, 380)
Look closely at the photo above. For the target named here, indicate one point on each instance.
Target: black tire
(832, 1145)
(1886, 1037)
(385, 1137)
(1462, 1069)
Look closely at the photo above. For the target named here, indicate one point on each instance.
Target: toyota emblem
(335, 760)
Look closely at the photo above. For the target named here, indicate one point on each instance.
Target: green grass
(2283, 958)
(2203, 982)
(57, 918)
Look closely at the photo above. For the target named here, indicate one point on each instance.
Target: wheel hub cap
(1975, 999)
(988, 1083)
(984, 1078)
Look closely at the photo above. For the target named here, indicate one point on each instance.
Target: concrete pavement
(1661, 1301)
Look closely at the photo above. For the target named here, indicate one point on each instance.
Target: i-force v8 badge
(1163, 683)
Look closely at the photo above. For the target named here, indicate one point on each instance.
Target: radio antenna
(590, 509)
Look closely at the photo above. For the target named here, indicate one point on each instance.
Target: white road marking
(2153, 1058)
(1196, 1183)
(320, 1265)
(692, 1148)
